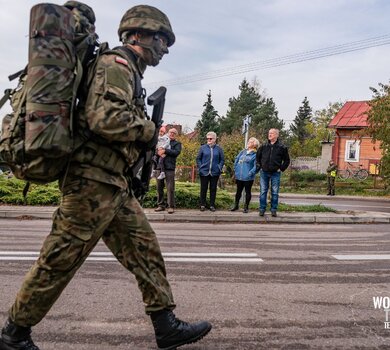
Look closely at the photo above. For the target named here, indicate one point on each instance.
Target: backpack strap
(52, 62)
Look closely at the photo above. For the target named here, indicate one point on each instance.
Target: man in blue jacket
(210, 160)
(272, 158)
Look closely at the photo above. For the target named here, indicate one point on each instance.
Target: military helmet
(83, 8)
(147, 18)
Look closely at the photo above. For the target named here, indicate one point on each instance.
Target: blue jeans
(265, 178)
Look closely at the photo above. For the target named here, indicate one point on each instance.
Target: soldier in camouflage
(97, 201)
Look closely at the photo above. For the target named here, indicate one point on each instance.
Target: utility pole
(245, 127)
(245, 131)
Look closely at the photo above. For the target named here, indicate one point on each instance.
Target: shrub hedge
(186, 194)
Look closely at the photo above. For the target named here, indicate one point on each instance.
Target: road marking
(171, 257)
(363, 257)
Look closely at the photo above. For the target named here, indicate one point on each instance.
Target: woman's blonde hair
(256, 141)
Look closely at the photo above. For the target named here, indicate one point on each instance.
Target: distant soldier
(97, 201)
(331, 173)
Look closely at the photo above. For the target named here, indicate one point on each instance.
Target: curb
(220, 217)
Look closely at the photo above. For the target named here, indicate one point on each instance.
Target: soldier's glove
(149, 137)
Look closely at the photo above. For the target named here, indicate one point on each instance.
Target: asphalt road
(262, 287)
(355, 204)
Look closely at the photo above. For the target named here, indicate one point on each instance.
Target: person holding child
(162, 143)
(166, 165)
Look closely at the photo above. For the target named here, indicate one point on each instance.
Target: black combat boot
(14, 337)
(171, 332)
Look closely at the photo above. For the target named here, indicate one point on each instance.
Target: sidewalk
(220, 216)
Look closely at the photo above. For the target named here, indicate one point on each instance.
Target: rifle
(142, 169)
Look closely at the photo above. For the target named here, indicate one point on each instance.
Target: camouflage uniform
(96, 200)
(331, 172)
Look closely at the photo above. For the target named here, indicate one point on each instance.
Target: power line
(198, 116)
(280, 61)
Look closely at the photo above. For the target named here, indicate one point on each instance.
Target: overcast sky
(224, 34)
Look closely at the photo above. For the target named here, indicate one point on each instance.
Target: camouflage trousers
(91, 210)
(331, 184)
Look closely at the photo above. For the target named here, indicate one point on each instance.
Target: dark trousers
(331, 185)
(204, 184)
(170, 182)
(248, 188)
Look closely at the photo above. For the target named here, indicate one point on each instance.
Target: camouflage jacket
(114, 119)
(330, 169)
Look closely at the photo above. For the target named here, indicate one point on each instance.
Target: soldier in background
(97, 201)
(331, 173)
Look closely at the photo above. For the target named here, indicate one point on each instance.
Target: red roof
(353, 115)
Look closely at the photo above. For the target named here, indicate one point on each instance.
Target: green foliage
(189, 151)
(11, 192)
(316, 131)
(208, 121)
(306, 176)
(298, 127)
(322, 117)
(379, 125)
(251, 101)
(316, 208)
(231, 144)
(187, 196)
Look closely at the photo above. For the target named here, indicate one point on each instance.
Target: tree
(267, 118)
(231, 144)
(299, 126)
(317, 131)
(251, 100)
(379, 124)
(325, 115)
(189, 151)
(247, 102)
(208, 121)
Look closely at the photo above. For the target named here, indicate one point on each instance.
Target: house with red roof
(350, 146)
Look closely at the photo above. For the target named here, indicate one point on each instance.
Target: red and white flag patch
(121, 60)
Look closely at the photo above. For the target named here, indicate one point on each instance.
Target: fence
(306, 163)
(185, 173)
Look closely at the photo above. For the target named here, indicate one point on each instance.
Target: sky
(270, 41)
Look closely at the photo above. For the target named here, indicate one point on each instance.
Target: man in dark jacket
(170, 154)
(272, 158)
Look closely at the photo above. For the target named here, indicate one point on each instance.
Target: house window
(352, 148)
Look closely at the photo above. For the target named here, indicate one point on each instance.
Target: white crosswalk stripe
(249, 258)
(363, 257)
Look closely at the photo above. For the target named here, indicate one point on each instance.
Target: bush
(186, 194)
(11, 192)
(306, 176)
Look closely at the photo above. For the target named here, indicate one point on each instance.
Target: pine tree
(208, 121)
(299, 126)
(267, 118)
(254, 102)
(247, 102)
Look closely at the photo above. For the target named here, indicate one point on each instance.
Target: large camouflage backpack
(37, 137)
